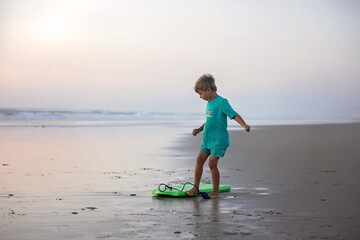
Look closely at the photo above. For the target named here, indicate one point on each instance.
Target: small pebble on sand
(91, 208)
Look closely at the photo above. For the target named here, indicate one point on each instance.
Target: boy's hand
(247, 128)
(196, 131)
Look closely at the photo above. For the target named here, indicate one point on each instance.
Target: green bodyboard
(175, 193)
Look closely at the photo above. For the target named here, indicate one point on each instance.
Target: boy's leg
(215, 176)
(200, 161)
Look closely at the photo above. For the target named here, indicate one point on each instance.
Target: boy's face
(205, 95)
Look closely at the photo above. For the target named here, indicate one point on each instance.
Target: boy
(215, 137)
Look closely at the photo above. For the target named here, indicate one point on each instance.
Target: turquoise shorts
(213, 152)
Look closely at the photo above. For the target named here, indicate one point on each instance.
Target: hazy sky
(294, 59)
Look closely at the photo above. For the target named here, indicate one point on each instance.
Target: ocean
(17, 117)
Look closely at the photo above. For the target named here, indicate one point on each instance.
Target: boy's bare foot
(192, 191)
(214, 195)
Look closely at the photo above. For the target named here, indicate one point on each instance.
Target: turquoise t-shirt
(215, 135)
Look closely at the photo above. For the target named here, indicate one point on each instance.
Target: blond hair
(205, 82)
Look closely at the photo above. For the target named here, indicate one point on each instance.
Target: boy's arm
(198, 130)
(239, 120)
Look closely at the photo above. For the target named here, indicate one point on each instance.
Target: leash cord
(203, 194)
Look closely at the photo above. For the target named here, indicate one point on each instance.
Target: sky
(270, 59)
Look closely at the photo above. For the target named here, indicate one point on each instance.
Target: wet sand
(288, 182)
(295, 182)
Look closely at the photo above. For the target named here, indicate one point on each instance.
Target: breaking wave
(32, 114)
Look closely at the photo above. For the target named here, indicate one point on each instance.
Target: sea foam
(34, 114)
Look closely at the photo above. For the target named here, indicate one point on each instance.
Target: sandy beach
(288, 182)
